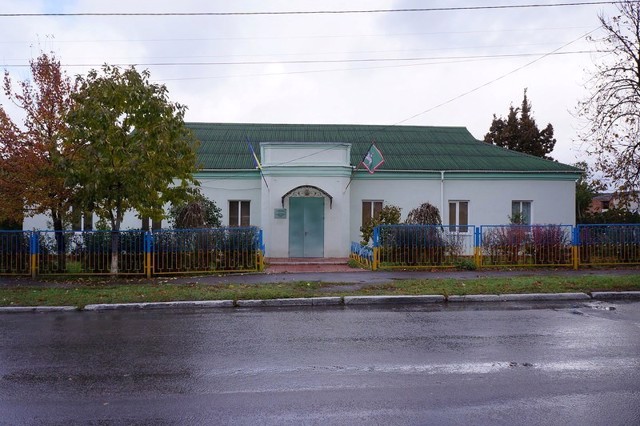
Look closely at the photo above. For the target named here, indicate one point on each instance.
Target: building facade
(310, 193)
(305, 185)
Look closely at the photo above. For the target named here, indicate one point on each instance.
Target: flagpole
(257, 162)
(353, 171)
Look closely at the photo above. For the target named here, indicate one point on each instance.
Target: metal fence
(409, 246)
(428, 246)
(90, 252)
(15, 253)
(361, 254)
(526, 245)
(608, 245)
(207, 250)
(131, 252)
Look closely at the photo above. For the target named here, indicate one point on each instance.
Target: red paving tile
(279, 269)
(294, 265)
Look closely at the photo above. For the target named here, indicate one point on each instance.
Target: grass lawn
(85, 292)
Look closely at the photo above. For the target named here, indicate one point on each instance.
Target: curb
(311, 301)
(160, 305)
(20, 309)
(335, 301)
(527, 297)
(605, 295)
(386, 300)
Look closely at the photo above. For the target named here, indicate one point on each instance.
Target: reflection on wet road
(536, 363)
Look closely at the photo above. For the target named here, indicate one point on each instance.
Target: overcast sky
(412, 68)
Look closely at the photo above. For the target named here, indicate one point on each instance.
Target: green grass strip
(82, 293)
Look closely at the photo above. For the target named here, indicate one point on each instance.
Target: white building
(313, 194)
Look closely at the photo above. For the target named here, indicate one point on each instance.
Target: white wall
(43, 222)
(553, 202)
(222, 189)
(406, 194)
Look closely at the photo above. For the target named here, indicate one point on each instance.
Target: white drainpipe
(442, 195)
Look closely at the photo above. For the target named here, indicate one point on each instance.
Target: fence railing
(426, 246)
(89, 252)
(423, 245)
(131, 252)
(536, 245)
(15, 252)
(207, 250)
(608, 245)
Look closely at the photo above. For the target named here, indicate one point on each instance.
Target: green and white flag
(373, 159)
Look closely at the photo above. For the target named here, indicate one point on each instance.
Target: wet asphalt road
(537, 363)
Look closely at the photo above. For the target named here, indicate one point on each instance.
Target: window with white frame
(459, 216)
(521, 212)
(370, 210)
(239, 213)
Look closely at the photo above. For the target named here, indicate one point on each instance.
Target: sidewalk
(341, 274)
(361, 278)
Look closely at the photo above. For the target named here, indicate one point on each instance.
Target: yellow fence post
(376, 258)
(33, 250)
(148, 245)
(260, 261)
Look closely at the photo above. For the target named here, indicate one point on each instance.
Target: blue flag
(255, 157)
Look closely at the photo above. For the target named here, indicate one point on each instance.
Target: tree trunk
(115, 245)
(115, 249)
(61, 245)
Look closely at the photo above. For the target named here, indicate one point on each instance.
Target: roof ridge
(394, 126)
(223, 146)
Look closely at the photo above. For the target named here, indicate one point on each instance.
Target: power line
(385, 128)
(319, 61)
(290, 37)
(317, 71)
(318, 12)
(468, 92)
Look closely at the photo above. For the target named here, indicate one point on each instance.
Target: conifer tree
(521, 133)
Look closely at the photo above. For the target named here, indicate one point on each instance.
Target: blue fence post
(477, 246)
(148, 250)
(575, 249)
(261, 248)
(376, 248)
(34, 250)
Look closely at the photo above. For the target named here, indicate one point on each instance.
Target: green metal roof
(223, 146)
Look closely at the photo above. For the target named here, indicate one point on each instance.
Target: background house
(609, 200)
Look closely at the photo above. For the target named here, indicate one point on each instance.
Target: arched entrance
(306, 221)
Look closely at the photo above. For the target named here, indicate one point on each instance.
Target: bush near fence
(89, 252)
(526, 245)
(139, 252)
(216, 249)
(402, 246)
(423, 245)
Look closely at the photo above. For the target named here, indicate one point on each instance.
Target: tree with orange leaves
(33, 157)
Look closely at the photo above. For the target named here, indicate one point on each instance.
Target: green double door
(306, 227)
